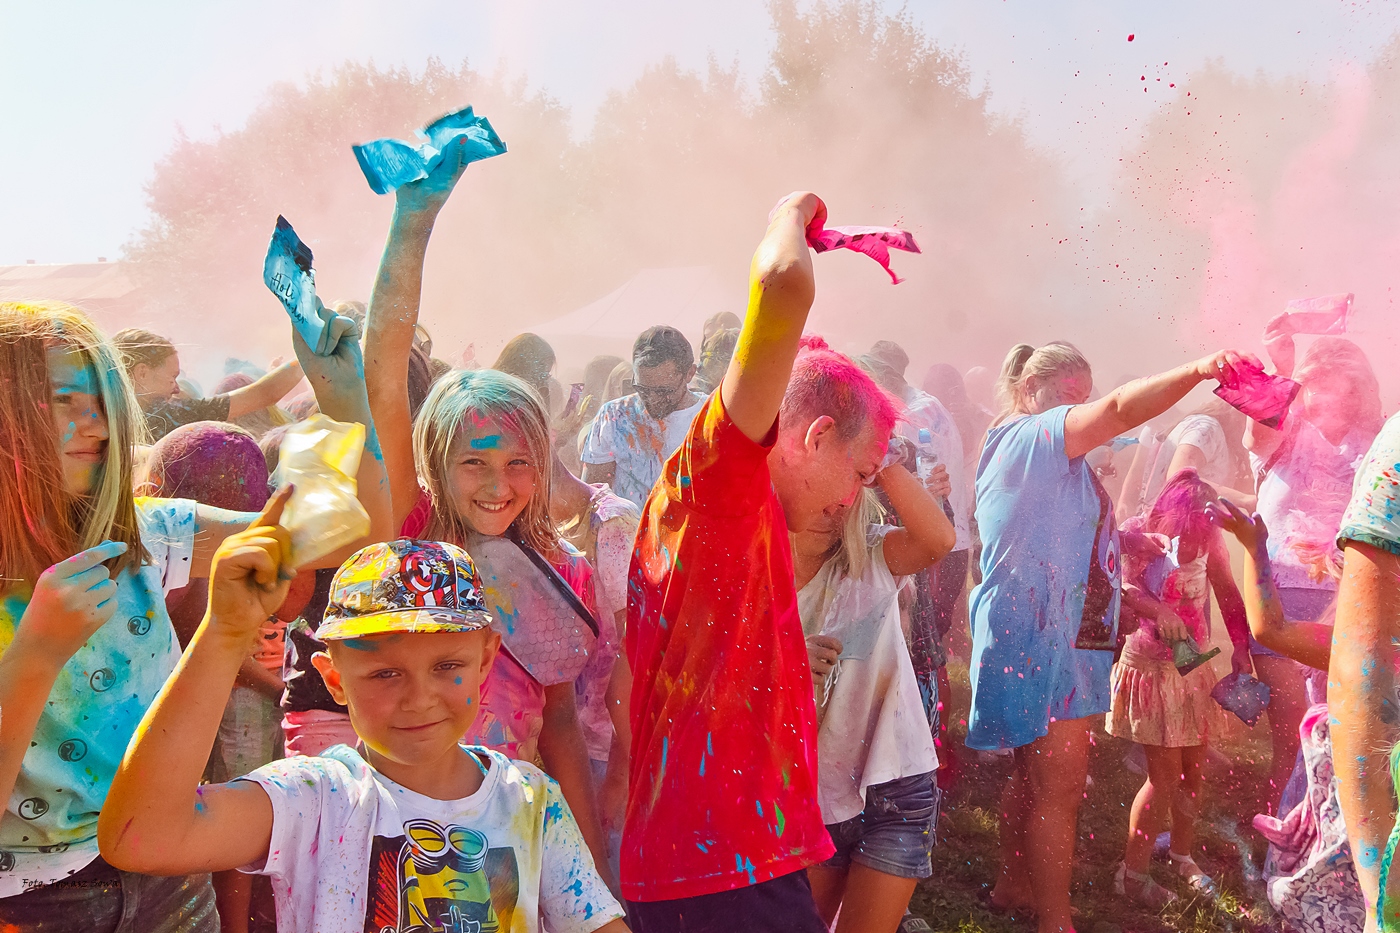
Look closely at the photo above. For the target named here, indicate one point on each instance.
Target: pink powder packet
(875, 242)
(1328, 314)
(1260, 395)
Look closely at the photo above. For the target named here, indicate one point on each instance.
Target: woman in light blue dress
(1045, 617)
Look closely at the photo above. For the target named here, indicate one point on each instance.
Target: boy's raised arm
(157, 819)
(781, 289)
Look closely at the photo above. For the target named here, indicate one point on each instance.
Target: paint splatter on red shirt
(723, 779)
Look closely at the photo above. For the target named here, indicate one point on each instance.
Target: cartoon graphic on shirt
(440, 879)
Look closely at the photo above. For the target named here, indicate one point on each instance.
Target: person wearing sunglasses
(632, 436)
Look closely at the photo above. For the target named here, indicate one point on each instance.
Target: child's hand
(250, 577)
(72, 600)
(1239, 661)
(1250, 530)
(428, 195)
(1279, 326)
(340, 373)
(823, 652)
(1170, 626)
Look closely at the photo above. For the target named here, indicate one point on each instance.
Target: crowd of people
(763, 555)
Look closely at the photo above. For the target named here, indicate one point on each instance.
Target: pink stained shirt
(511, 713)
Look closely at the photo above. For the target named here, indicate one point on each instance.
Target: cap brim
(415, 621)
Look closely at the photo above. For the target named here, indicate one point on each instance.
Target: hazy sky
(91, 94)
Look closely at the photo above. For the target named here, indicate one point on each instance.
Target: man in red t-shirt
(722, 815)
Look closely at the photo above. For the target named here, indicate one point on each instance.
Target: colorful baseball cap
(405, 586)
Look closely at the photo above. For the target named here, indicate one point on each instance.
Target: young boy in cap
(408, 831)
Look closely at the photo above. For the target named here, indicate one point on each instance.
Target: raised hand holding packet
(1265, 397)
(1328, 314)
(288, 274)
(389, 163)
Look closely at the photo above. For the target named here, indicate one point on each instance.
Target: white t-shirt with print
(625, 434)
(872, 725)
(49, 829)
(354, 852)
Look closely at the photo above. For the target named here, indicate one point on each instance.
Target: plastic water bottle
(927, 458)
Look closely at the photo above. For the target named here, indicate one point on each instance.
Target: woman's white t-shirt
(873, 728)
(354, 852)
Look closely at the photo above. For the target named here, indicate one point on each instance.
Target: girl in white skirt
(1170, 714)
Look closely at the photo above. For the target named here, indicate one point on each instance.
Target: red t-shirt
(724, 736)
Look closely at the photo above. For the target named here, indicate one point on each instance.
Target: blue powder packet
(1243, 695)
(287, 273)
(389, 163)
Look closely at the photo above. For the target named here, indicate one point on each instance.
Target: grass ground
(965, 859)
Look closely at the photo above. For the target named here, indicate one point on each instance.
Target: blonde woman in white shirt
(875, 752)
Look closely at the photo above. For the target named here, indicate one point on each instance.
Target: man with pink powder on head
(722, 818)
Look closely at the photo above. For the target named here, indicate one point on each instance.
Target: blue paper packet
(389, 163)
(1243, 695)
(1121, 442)
(288, 274)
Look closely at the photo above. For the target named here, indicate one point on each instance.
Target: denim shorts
(894, 833)
(1300, 604)
(101, 899)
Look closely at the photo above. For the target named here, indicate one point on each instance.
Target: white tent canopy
(682, 297)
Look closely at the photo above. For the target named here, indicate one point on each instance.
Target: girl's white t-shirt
(873, 727)
(354, 852)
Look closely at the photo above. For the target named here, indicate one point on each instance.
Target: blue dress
(1045, 617)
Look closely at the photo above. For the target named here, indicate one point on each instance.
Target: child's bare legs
(1156, 798)
(828, 887)
(1186, 809)
(874, 901)
(233, 898)
(1042, 814)
(1288, 701)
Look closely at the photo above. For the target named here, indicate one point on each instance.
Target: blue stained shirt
(1049, 544)
(49, 828)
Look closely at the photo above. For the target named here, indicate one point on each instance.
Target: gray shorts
(894, 833)
(101, 899)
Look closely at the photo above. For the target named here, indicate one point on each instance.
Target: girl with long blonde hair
(477, 460)
(85, 639)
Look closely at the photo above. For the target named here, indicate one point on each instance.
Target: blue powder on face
(489, 442)
(458, 681)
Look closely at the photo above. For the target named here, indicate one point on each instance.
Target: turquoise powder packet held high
(288, 274)
(389, 163)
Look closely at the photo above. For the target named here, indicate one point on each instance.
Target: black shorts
(782, 905)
